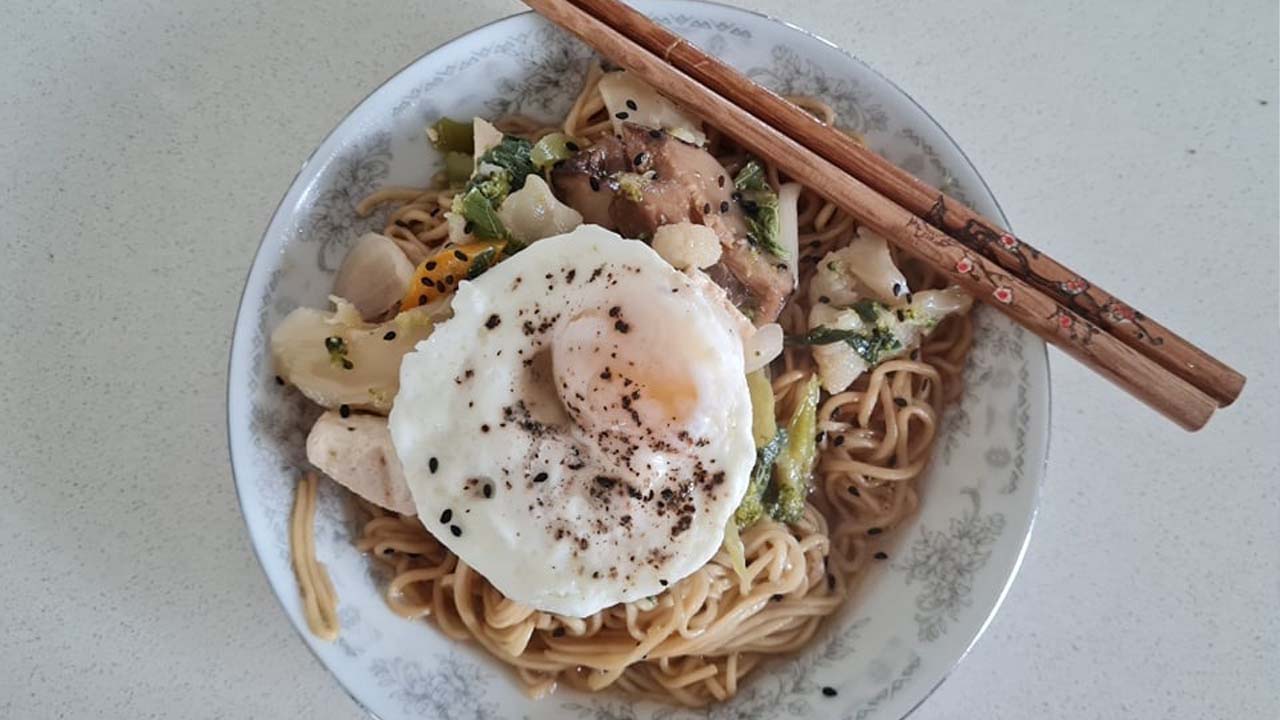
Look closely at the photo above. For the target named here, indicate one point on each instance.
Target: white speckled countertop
(143, 146)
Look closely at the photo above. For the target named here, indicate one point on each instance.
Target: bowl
(912, 618)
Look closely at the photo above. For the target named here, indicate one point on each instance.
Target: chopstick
(986, 281)
(1065, 286)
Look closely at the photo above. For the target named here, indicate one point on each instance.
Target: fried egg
(579, 432)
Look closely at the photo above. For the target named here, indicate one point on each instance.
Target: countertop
(143, 146)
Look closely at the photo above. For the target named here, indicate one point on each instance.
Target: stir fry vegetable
(449, 135)
(440, 274)
(760, 206)
(795, 464)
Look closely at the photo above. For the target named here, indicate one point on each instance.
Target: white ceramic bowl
(916, 614)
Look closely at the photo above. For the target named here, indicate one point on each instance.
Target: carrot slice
(440, 274)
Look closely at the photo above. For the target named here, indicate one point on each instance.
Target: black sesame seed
(422, 299)
(484, 428)
(663, 583)
(344, 411)
(347, 364)
(724, 206)
(446, 516)
(426, 281)
(391, 335)
(706, 208)
(449, 280)
(881, 556)
(915, 354)
(720, 181)
(776, 598)
(829, 691)
(831, 581)
(558, 632)
(900, 402)
(875, 531)
(640, 159)
(838, 441)
(457, 531)
(279, 380)
(460, 255)
(571, 146)
(910, 299)
(824, 299)
(488, 490)
(431, 265)
(468, 227)
(854, 491)
(433, 465)
(440, 286)
(655, 134)
(622, 115)
(595, 184)
(897, 289)
(632, 104)
(902, 316)
(540, 477)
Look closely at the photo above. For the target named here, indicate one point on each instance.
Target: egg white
(580, 432)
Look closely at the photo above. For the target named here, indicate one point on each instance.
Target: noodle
(319, 602)
(694, 642)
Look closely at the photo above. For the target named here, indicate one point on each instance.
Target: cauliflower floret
(686, 245)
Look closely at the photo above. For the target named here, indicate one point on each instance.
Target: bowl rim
(240, 316)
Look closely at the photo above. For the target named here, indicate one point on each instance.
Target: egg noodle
(694, 642)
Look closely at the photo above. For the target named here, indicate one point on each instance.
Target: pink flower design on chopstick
(1008, 241)
(1065, 321)
(1074, 286)
(964, 265)
(1004, 295)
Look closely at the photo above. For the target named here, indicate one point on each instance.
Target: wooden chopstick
(986, 281)
(1065, 286)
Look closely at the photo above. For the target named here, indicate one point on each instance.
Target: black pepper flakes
(391, 335)
(457, 531)
(446, 516)
(622, 327)
(493, 321)
(484, 428)
(344, 411)
(663, 583)
(279, 380)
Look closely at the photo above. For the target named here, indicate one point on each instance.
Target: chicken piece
(356, 452)
(643, 179)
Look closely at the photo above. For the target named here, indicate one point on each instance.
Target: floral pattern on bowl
(914, 616)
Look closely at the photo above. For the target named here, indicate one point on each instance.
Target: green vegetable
(795, 464)
(480, 262)
(551, 149)
(763, 424)
(872, 344)
(737, 553)
(338, 350)
(495, 186)
(458, 168)
(757, 498)
(751, 178)
(760, 206)
(448, 135)
(480, 215)
(867, 310)
(512, 155)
